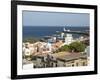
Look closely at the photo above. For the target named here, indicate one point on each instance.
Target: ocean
(40, 31)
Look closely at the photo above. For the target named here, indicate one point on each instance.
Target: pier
(75, 32)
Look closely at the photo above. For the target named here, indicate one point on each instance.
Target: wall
(5, 29)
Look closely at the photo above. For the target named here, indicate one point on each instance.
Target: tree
(77, 46)
(63, 48)
(73, 47)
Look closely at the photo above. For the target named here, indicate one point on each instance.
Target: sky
(36, 18)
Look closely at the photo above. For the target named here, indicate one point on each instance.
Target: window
(34, 66)
(77, 64)
(84, 64)
(51, 64)
(64, 65)
(56, 65)
(72, 65)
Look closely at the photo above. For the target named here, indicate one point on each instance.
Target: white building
(62, 35)
(54, 39)
(87, 50)
(27, 49)
(49, 47)
(68, 39)
(27, 52)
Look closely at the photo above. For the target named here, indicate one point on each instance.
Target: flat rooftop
(72, 56)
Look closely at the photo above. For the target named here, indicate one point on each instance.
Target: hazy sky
(32, 18)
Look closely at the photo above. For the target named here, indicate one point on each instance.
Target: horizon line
(53, 26)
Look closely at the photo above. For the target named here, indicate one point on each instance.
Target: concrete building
(68, 39)
(87, 50)
(45, 60)
(38, 47)
(48, 47)
(72, 60)
(62, 35)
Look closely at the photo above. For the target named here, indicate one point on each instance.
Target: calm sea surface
(32, 31)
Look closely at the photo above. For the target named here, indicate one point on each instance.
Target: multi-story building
(45, 60)
(75, 59)
(68, 39)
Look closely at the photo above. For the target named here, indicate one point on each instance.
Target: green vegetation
(73, 47)
(63, 48)
(77, 47)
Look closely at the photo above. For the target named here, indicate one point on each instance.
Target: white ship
(65, 29)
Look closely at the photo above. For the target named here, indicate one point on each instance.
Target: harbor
(55, 50)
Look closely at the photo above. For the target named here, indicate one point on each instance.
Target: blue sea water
(40, 31)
